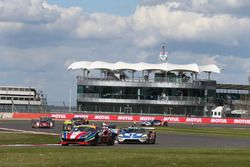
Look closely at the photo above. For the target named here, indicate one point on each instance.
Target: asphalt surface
(163, 139)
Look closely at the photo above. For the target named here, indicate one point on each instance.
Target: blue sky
(123, 8)
(39, 39)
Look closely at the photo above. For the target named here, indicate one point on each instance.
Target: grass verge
(212, 131)
(123, 157)
(26, 138)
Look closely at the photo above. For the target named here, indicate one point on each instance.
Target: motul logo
(81, 116)
(241, 121)
(146, 118)
(198, 120)
(171, 119)
(58, 116)
(102, 117)
(125, 118)
(224, 121)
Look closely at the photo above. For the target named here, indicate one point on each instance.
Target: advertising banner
(136, 118)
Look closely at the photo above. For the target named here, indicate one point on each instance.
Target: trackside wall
(137, 118)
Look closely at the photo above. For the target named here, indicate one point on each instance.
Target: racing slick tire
(95, 141)
(34, 125)
(153, 142)
(111, 142)
(165, 124)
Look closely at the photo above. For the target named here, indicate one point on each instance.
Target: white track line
(28, 145)
(25, 131)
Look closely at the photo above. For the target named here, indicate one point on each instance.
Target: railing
(89, 97)
(167, 82)
(138, 79)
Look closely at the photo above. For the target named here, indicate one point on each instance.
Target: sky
(39, 39)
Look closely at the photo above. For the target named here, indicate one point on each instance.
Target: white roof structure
(121, 66)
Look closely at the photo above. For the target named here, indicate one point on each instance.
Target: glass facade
(122, 97)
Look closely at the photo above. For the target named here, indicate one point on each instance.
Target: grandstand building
(144, 88)
(165, 88)
(21, 99)
(235, 97)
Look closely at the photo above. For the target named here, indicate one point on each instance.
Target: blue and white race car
(137, 135)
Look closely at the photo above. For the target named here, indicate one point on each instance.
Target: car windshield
(44, 119)
(135, 130)
(84, 129)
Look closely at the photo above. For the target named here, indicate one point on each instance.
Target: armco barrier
(137, 118)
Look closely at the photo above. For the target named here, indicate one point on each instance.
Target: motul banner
(136, 118)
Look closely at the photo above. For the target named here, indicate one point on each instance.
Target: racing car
(67, 125)
(137, 135)
(154, 123)
(79, 121)
(43, 122)
(87, 135)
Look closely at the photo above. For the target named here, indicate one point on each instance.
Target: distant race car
(87, 135)
(111, 127)
(43, 122)
(154, 123)
(67, 125)
(137, 135)
(79, 121)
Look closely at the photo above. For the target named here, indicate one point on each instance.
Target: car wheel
(34, 125)
(95, 141)
(153, 142)
(110, 141)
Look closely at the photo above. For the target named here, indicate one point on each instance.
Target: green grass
(212, 131)
(119, 157)
(111, 156)
(26, 138)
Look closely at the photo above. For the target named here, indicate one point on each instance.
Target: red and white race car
(43, 122)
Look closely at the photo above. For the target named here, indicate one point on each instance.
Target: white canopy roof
(142, 66)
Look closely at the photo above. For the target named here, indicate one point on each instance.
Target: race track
(163, 139)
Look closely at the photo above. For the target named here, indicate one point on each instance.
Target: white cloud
(149, 24)
(190, 26)
(29, 11)
(39, 40)
(238, 7)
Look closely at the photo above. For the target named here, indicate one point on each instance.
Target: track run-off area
(164, 138)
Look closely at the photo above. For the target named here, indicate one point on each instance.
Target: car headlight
(120, 135)
(145, 136)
